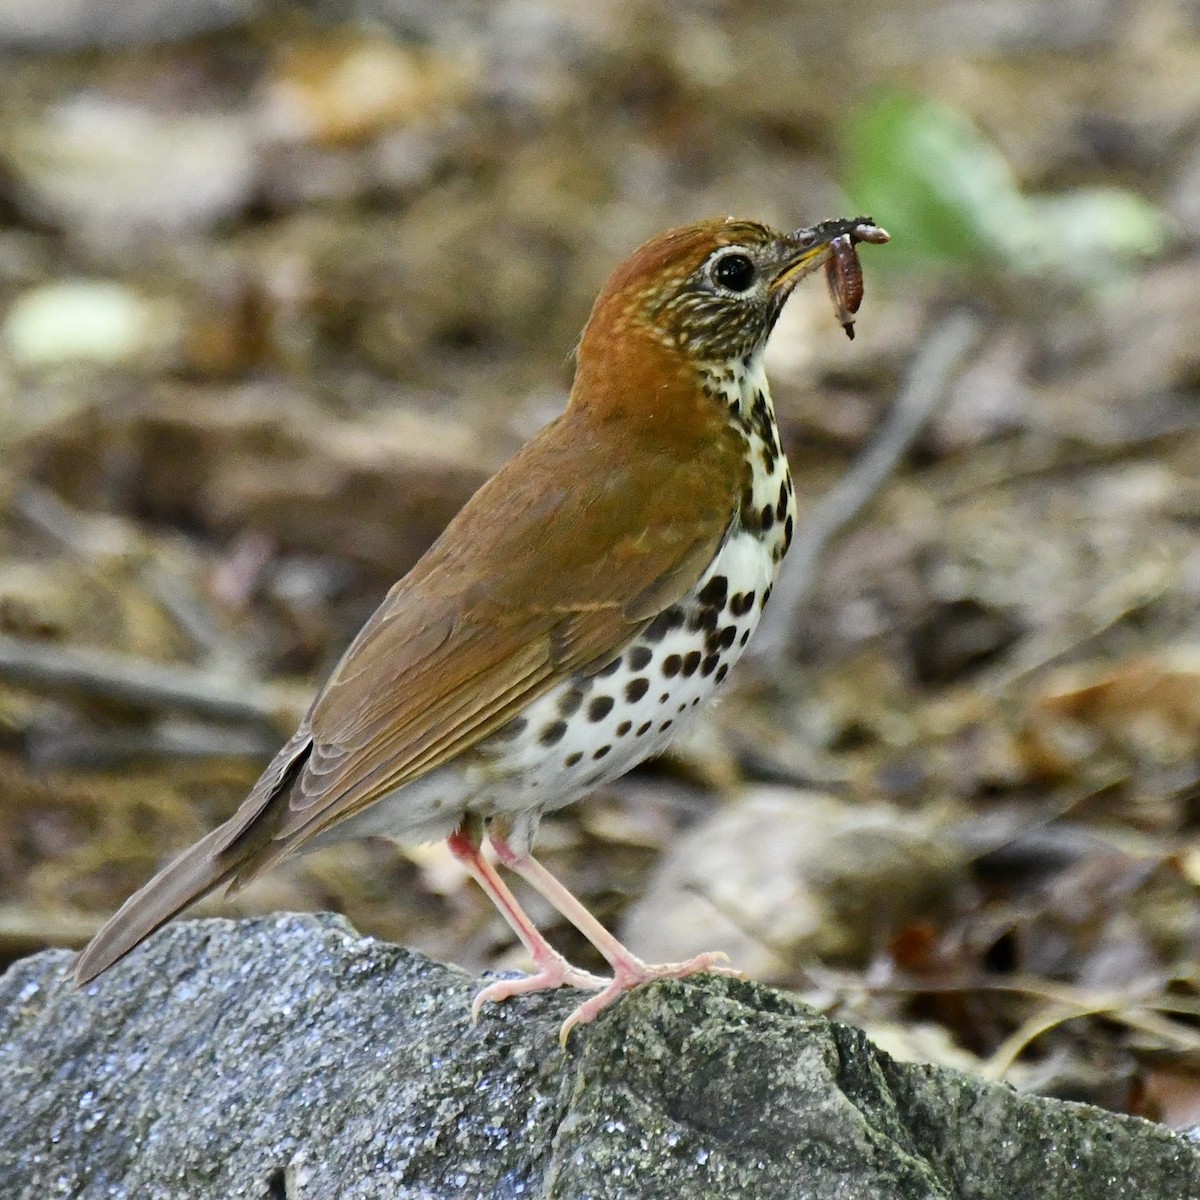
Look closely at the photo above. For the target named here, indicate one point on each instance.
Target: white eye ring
(733, 271)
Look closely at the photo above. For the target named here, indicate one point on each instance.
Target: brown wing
(550, 569)
(606, 518)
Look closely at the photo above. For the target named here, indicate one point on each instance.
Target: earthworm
(843, 271)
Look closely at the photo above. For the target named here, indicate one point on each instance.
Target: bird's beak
(810, 248)
(807, 252)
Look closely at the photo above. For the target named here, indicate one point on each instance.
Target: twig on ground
(1172, 1036)
(924, 391)
(172, 739)
(49, 667)
(93, 538)
(26, 927)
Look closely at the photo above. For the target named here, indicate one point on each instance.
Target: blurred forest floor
(280, 285)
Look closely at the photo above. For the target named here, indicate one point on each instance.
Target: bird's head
(712, 291)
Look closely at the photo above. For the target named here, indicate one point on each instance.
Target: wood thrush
(573, 614)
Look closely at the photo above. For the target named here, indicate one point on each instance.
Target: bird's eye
(734, 272)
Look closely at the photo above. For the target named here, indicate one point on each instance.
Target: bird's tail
(195, 873)
(226, 853)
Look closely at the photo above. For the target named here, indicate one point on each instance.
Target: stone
(780, 875)
(290, 1057)
(88, 321)
(115, 174)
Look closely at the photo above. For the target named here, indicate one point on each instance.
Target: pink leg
(628, 970)
(552, 970)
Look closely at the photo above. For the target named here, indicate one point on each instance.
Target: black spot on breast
(601, 752)
(787, 534)
(767, 595)
(722, 671)
(639, 657)
(781, 505)
(703, 618)
(569, 701)
(664, 697)
(513, 729)
(643, 728)
(665, 726)
(764, 426)
(741, 604)
(668, 619)
(611, 669)
(599, 708)
(572, 759)
(553, 733)
(635, 689)
(709, 665)
(672, 665)
(744, 638)
(727, 636)
(713, 593)
(691, 662)
(624, 728)
(766, 517)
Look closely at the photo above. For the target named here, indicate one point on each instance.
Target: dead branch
(923, 393)
(47, 667)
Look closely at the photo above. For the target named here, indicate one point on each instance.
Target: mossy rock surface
(291, 1057)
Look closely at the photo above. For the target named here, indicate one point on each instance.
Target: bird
(579, 608)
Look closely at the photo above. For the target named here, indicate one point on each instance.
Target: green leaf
(1093, 234)
(949, 197)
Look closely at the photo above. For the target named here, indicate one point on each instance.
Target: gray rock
(114, 173)
(780, 875)
(291, 1057)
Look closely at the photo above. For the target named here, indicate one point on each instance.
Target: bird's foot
(552, 972)
(632, 972)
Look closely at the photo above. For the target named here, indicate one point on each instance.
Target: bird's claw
(551, 975)
(634, 973)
